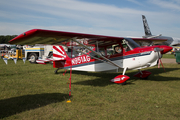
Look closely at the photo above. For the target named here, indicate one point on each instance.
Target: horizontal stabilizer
(44, 61)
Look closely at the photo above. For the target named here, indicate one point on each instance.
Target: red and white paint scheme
(59, 53)
(97, 52)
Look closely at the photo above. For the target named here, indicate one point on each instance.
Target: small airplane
(170, 40)
(88, 52)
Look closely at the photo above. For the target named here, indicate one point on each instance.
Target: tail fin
(59, 53)
(146, 27)
(59, 57)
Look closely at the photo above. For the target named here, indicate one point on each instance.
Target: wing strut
(74, 39)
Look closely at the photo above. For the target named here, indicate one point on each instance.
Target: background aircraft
(171, 41)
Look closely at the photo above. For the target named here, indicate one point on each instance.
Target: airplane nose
(165, 49)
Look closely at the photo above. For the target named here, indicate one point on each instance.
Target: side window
(78, 51)
(114, 49)
(117, 49)
(102, 51)
(110, 50)
(125, 46)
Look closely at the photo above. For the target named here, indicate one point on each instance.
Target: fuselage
(134, 59)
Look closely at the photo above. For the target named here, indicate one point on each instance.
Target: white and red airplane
(96, 52)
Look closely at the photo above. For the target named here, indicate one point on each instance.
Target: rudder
(59, 57)
(146, 26)
(59, 53)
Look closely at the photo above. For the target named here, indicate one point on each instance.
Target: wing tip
(23, 35)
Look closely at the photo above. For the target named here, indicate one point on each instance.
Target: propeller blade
(162, 65)
(160, 62)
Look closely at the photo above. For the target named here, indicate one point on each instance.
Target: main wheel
(33, 57)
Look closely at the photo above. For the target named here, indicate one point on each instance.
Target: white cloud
(136, 2)
(173, 4)
(16, 29)
(77, 16)
(92, 14)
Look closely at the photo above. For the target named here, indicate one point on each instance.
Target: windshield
(131, 43)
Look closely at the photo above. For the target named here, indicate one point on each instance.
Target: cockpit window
(130, 43)
(78, 51)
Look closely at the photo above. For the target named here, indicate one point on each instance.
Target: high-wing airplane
(88, 52)
(170, 40)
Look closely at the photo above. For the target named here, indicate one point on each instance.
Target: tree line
(4, 39)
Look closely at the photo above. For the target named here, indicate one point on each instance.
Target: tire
(33, 57)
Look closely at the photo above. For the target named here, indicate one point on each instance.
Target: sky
(102, 17)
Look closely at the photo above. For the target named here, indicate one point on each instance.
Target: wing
(39, 36)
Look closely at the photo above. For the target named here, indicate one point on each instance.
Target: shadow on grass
(155, 76)
(103, 79)
(19, 104)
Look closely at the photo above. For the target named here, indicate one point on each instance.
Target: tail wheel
(33, 57)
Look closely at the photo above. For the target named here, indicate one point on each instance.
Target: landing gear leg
(124, 70)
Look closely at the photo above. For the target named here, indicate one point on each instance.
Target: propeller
(159, 50)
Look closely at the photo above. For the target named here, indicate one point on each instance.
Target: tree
(5, 39)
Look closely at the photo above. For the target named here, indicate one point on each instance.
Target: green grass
(32, 91)
(171, 56)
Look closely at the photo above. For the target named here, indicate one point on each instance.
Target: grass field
(32, 91)
(171, 56)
